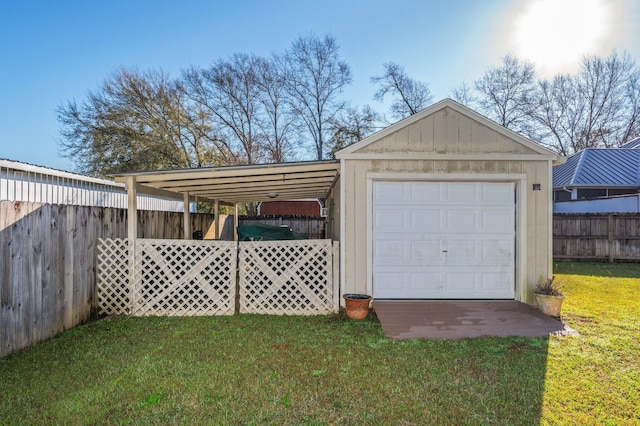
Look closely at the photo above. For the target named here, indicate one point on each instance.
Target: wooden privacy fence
(603, 237)
(47, 263)
(184, 278)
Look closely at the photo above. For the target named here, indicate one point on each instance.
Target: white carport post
(236, 221)
(132, 233)
(216, 219)
(186, 217)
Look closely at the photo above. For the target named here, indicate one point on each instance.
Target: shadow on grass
(598, 269)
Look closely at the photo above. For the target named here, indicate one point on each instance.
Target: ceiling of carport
(237, 184)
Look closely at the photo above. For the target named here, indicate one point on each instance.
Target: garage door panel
(426, 219)
(496, 282)
(461, 192)
(422, 284)
(392, 282)
(450, 240)
(425, 283)
(390, 218)
(498, 193)
(391, 193)
(425, 252)
(461, 221)
(463, 251)
(418, 193)
(390, 252)
(498, 252)
(497, 221)
(463, 282)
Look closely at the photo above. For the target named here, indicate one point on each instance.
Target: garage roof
(351, 152)
(237, 184)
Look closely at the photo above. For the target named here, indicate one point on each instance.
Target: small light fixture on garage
(272, 194)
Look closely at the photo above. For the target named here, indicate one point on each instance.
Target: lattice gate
(187, 277)
(184, 277)
(172, 277)
(288, 277)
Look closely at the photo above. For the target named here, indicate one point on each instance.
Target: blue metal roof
(632, 144)
(600, 168)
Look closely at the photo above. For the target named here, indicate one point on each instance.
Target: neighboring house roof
(19, 166)
(26, 182)
(600, 168)
(632, 144)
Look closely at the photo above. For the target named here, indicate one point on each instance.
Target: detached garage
(445, 204)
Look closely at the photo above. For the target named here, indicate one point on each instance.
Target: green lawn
(329, 370)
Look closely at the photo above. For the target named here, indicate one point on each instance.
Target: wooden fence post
(610, 237)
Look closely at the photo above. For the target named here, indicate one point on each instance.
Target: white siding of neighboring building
(29, 183)
(622, 204)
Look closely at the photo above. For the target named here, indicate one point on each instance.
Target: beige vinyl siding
(446, 132)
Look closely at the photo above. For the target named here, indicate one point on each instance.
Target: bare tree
(279, 123)
(136, 121)
(244, 109)
(410, 96)
(597, 107)
(230, 92)
(352, 125)
(506, 93)
(315, 76)
(464, 95)
(554, 109)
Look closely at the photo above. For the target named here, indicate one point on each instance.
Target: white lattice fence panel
(185, 277)
(286, 277)
(112, 267)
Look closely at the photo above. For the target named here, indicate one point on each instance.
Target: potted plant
(549, 297)
(357, 305)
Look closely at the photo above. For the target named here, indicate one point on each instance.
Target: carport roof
(237, 184)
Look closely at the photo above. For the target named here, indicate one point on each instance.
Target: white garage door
(443, 240)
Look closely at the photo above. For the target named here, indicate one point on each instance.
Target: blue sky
(55, 51)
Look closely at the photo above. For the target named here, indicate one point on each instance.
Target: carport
(148, 276)
(232, 185)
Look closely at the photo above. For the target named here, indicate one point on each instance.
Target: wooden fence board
(603, 237)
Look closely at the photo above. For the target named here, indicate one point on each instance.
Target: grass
(330, 370)
(595, 378)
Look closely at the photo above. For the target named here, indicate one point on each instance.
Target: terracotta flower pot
(357, 305)
(550, 305)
